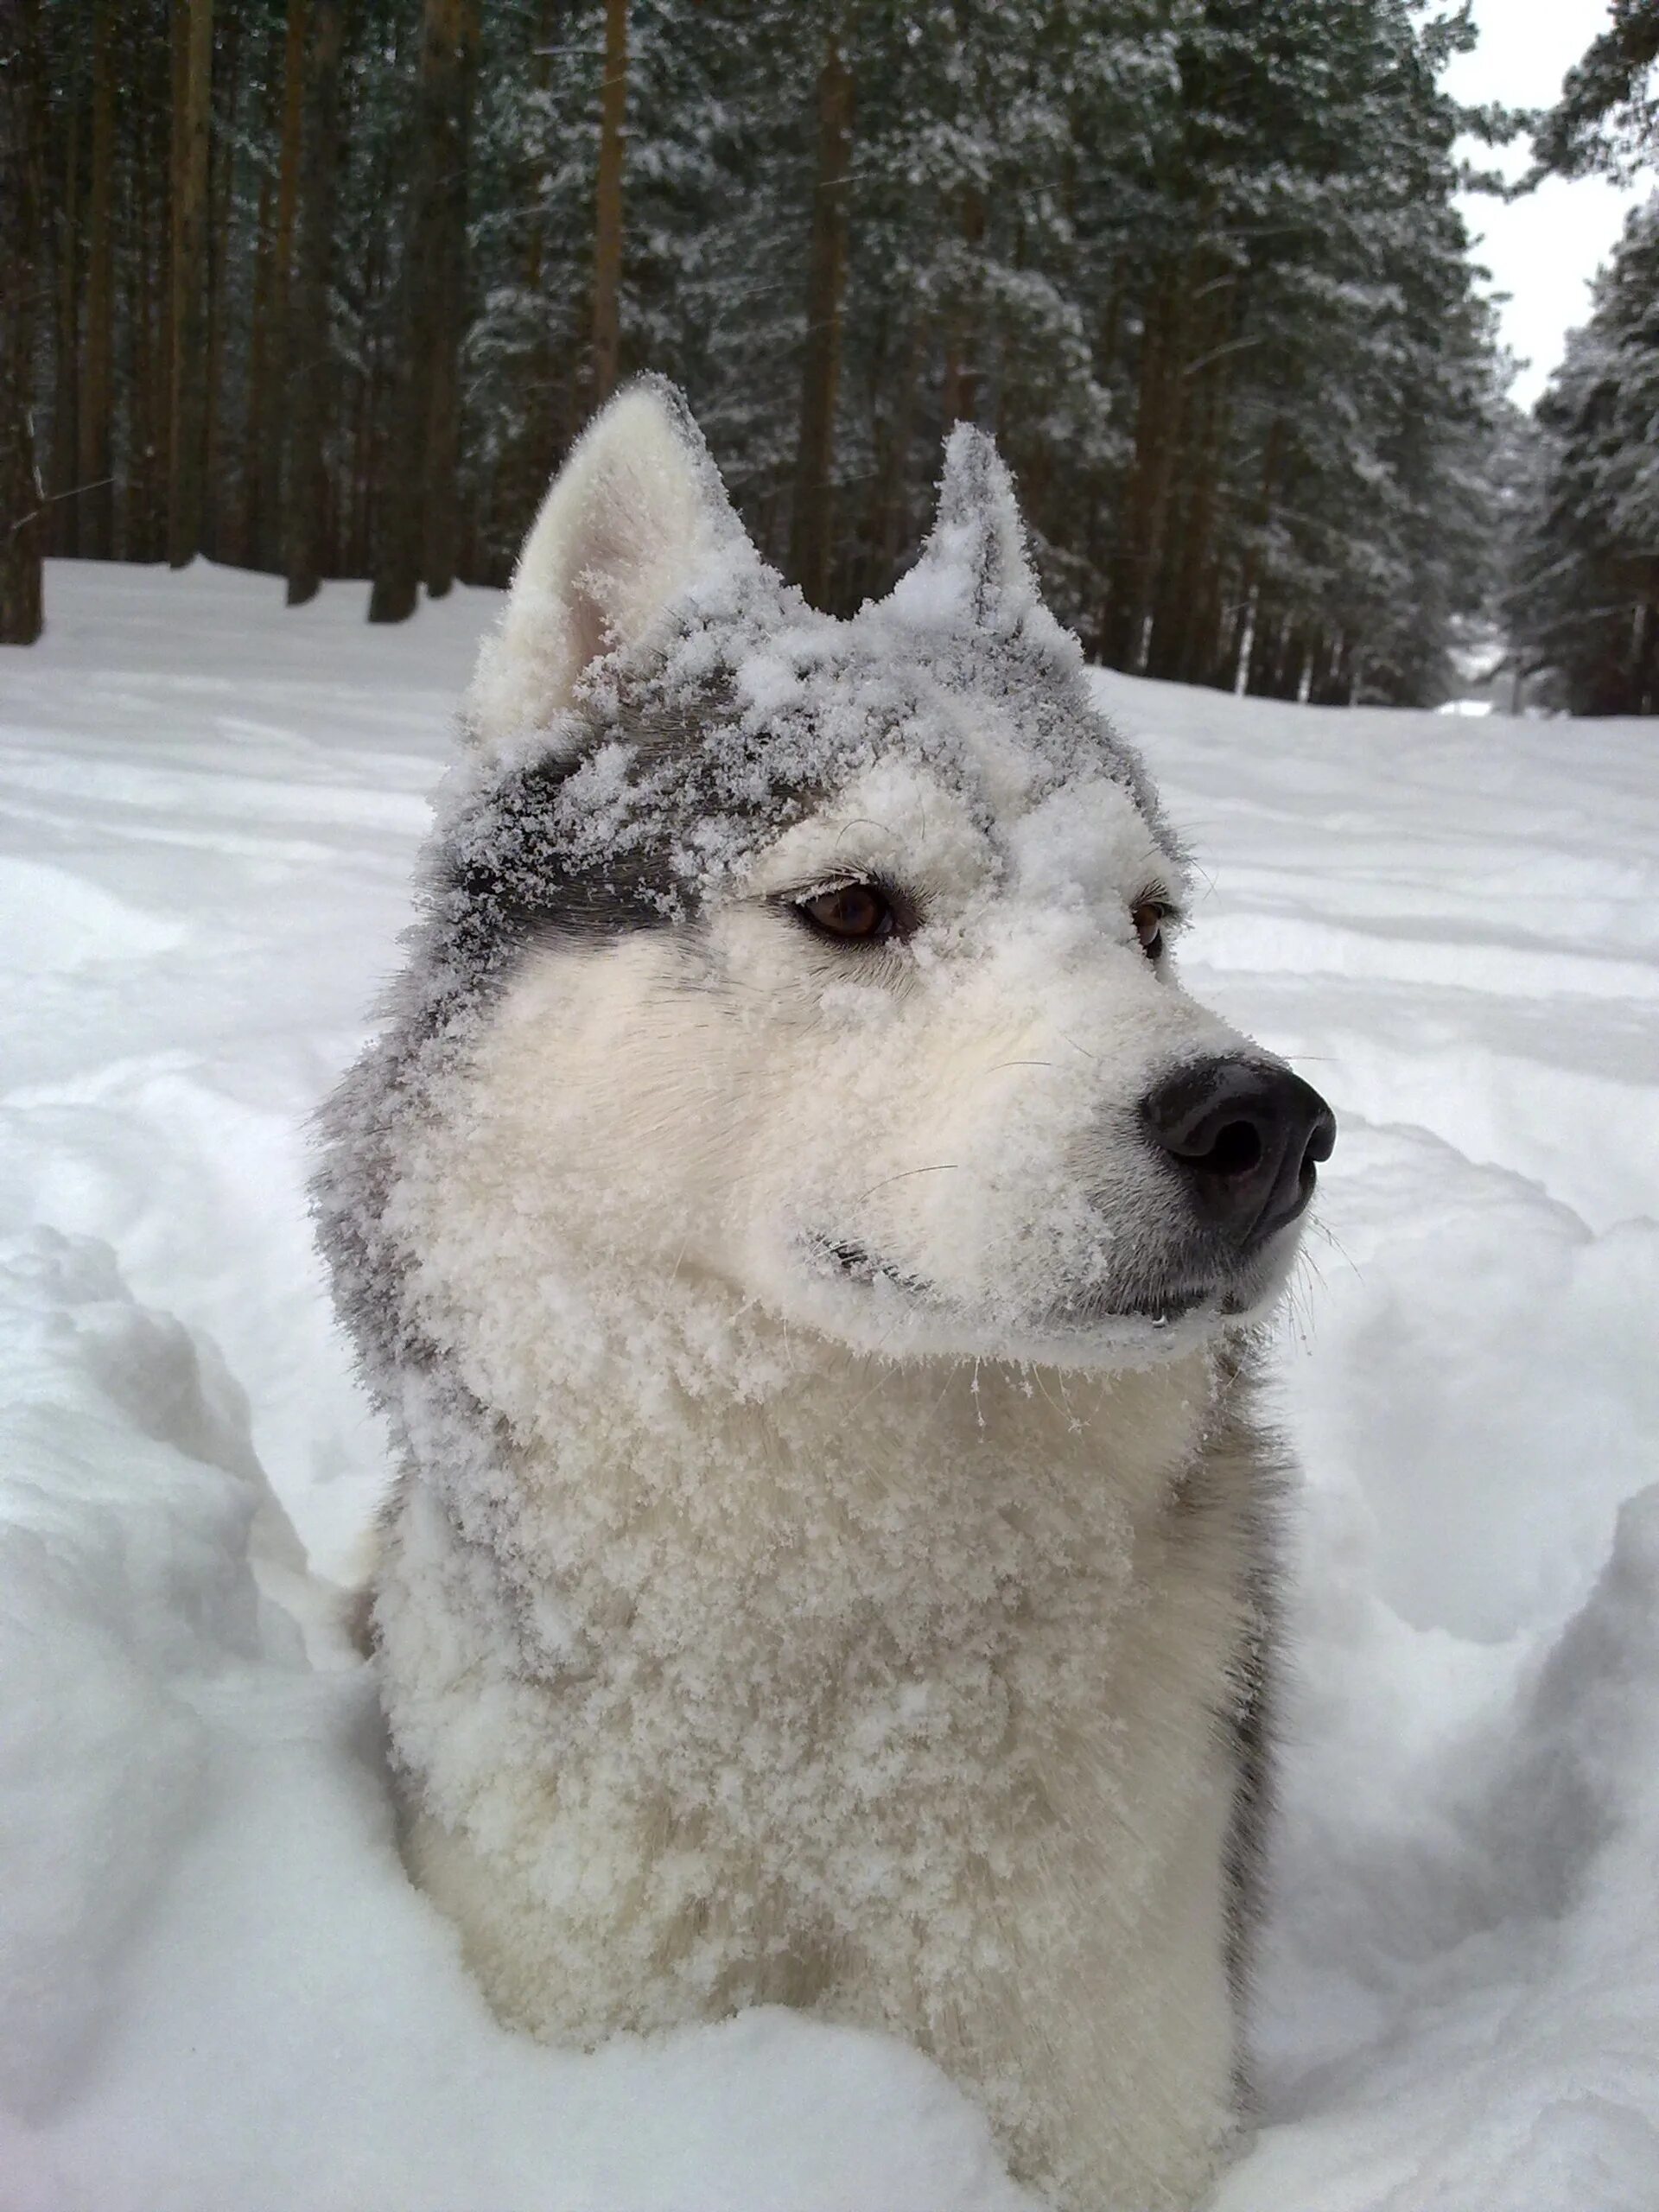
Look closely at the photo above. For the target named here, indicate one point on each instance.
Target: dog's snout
(1248, 1137)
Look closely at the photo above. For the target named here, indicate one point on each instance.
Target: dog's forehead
(903, 820)
(1002, 722)
(676, 767)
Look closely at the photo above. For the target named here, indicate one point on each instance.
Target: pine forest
(325, 287)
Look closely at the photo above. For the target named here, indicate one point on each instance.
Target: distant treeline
(327, 287)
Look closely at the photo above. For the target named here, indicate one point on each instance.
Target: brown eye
(854, 913)
(1149, 918)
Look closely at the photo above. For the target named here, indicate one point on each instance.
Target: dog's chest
(848, 1668)
(935, 1746)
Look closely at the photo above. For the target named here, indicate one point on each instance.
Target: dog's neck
(637, 1453)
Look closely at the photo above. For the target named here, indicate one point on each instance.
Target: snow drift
(215, 1986)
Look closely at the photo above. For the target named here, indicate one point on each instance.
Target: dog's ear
(973, 567)
(637, 510)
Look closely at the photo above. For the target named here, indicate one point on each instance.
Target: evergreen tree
(1197, 262)
(1607, 117)
(1583, 603)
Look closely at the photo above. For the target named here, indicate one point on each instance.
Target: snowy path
(215, 1988)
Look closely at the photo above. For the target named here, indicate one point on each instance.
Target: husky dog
(806, 1243)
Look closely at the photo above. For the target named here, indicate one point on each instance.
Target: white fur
(749, 1631)
(624, 527)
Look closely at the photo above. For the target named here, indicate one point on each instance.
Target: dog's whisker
(942, 1167)
(753, 1582)
(1322, 1228)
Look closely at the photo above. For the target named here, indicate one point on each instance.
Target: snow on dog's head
(823, 961)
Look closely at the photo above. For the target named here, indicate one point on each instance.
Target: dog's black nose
(1247, 1135)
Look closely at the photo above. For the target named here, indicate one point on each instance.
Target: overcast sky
(1543, 250)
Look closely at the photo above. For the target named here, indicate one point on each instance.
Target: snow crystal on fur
(821, 1572)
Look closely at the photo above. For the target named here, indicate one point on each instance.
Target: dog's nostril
(1237, 1150)
(1322, 1138)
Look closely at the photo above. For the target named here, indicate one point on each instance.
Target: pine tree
(1583, 602)
(1197, 262)
(1607, 117)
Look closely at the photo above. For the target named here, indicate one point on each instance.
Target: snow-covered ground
(215, 1987)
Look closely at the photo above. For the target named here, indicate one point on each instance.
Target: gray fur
(685, 784)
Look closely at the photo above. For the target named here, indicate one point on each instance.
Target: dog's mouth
(1076, 1314)
(1159, 1309)
(1206, 1286)
(855, 1263)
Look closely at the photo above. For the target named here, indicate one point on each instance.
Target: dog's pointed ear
(637, 510)
(975, 564)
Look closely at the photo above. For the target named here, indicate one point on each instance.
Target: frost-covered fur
(829, 1565)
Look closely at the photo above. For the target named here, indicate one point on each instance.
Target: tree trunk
(158, 230)
(145, 200)
(95, 534)
(1644, 671)
(1136, 558)
(894, 523)
(457, 65)
(21, 152)
(217, 508)
(272, 419)
(368, 411)
(397, 531)
(1265, 635)
(607, 203)
(191, 127)
(813, 514)
(418, 523)
(418, 316)
(304, 489)
(65, 385)
(1239, 651)
(135, 280)
(167, 86)
(1184, 646)
(257, 403)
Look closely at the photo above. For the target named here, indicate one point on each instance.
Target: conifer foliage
(1583, 604)
(328, 286)
(1607, 119)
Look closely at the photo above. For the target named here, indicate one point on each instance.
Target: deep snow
(215, 1987)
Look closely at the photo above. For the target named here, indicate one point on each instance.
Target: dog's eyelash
(905, 902)
(1171, 916)
(821, 886)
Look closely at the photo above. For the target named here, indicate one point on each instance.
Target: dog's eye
(1149, 918)
(853, 913)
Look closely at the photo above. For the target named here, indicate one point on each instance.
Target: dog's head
(832, 960)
